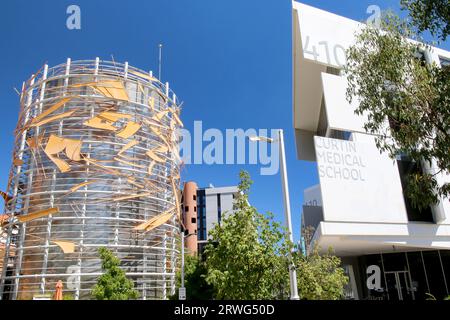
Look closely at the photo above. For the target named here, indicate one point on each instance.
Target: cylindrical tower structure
(95, 164)
(190, 216)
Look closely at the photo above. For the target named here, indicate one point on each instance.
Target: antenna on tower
(160, 58)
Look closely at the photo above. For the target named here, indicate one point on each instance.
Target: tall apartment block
(202, 209)
(95, 164)
(390, 250)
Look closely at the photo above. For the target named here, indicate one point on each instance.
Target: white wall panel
(340, 113)
(358, 184)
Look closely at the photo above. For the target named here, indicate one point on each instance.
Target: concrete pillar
(190, 216)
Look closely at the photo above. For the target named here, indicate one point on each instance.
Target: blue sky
(229, 61)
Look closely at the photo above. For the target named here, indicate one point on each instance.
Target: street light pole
(182, 259)
(287, 204)
(287, 213)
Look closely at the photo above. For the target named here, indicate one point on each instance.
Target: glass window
(445, 62)
(194, 197)
(395, 262)
(407, 167)
(186, 208)
(364, 263)
(435, 274)
(418, 278)
(193, 220)
(445, 258)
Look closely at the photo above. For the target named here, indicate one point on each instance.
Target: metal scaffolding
(95, 164)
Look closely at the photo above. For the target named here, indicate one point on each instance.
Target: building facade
(389, 249)
(95, 164)
(203, 208)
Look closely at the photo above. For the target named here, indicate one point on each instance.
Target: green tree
(247, 254)
(406, 101)
(194, 280)
(320, 277)
(113, 284)
(429, 15)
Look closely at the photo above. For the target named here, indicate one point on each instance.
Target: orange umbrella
(59, 290)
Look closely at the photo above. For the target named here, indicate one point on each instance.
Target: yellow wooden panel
(150, 167)
(130, 129)
(158, 117)
(53, 108)
(153, 156)
(113, 116)
(37, 214)
(129, 145)
(154, 222)
(99, 123)
(18, 162)
(143, 75)
(66, 246)
(50, 119)
(129, 163)
(177, 119)
(133, 196)
(80, 185)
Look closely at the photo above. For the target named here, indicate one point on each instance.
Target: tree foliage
(406, 101)
(320, 277)
(247, 253)
(194, 280)
(113, 284)
(430, 15)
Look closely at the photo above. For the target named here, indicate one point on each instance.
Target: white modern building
(390, 250)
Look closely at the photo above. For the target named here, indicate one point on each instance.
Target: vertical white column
(164, 267)
(287, 212)
(44, 264)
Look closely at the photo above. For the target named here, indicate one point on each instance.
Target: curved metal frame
(94, 215)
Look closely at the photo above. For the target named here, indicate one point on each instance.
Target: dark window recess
(322, 126)
(186, 232)
(195, 209)
(194, 197)
(406, 168)
(219, 209)
(194, 220)
(195, 231)
(435, 274)
(340, 135)
(186, 209)
(445, 62)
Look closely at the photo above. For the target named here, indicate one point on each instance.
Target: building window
(445, 62)
(340, 135)
(186, 209)
(193, 220)
(219, 209)
(406, 167)
(194, 197)
(195, 209)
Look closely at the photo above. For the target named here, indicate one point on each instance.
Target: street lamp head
(265, 139)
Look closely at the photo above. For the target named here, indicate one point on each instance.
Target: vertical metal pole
(164, 267)
(159, 61)
(287, 212)
(182, 259)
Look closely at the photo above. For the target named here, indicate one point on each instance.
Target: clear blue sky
(229, 61)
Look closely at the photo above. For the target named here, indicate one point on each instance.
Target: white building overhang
(354, 239)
